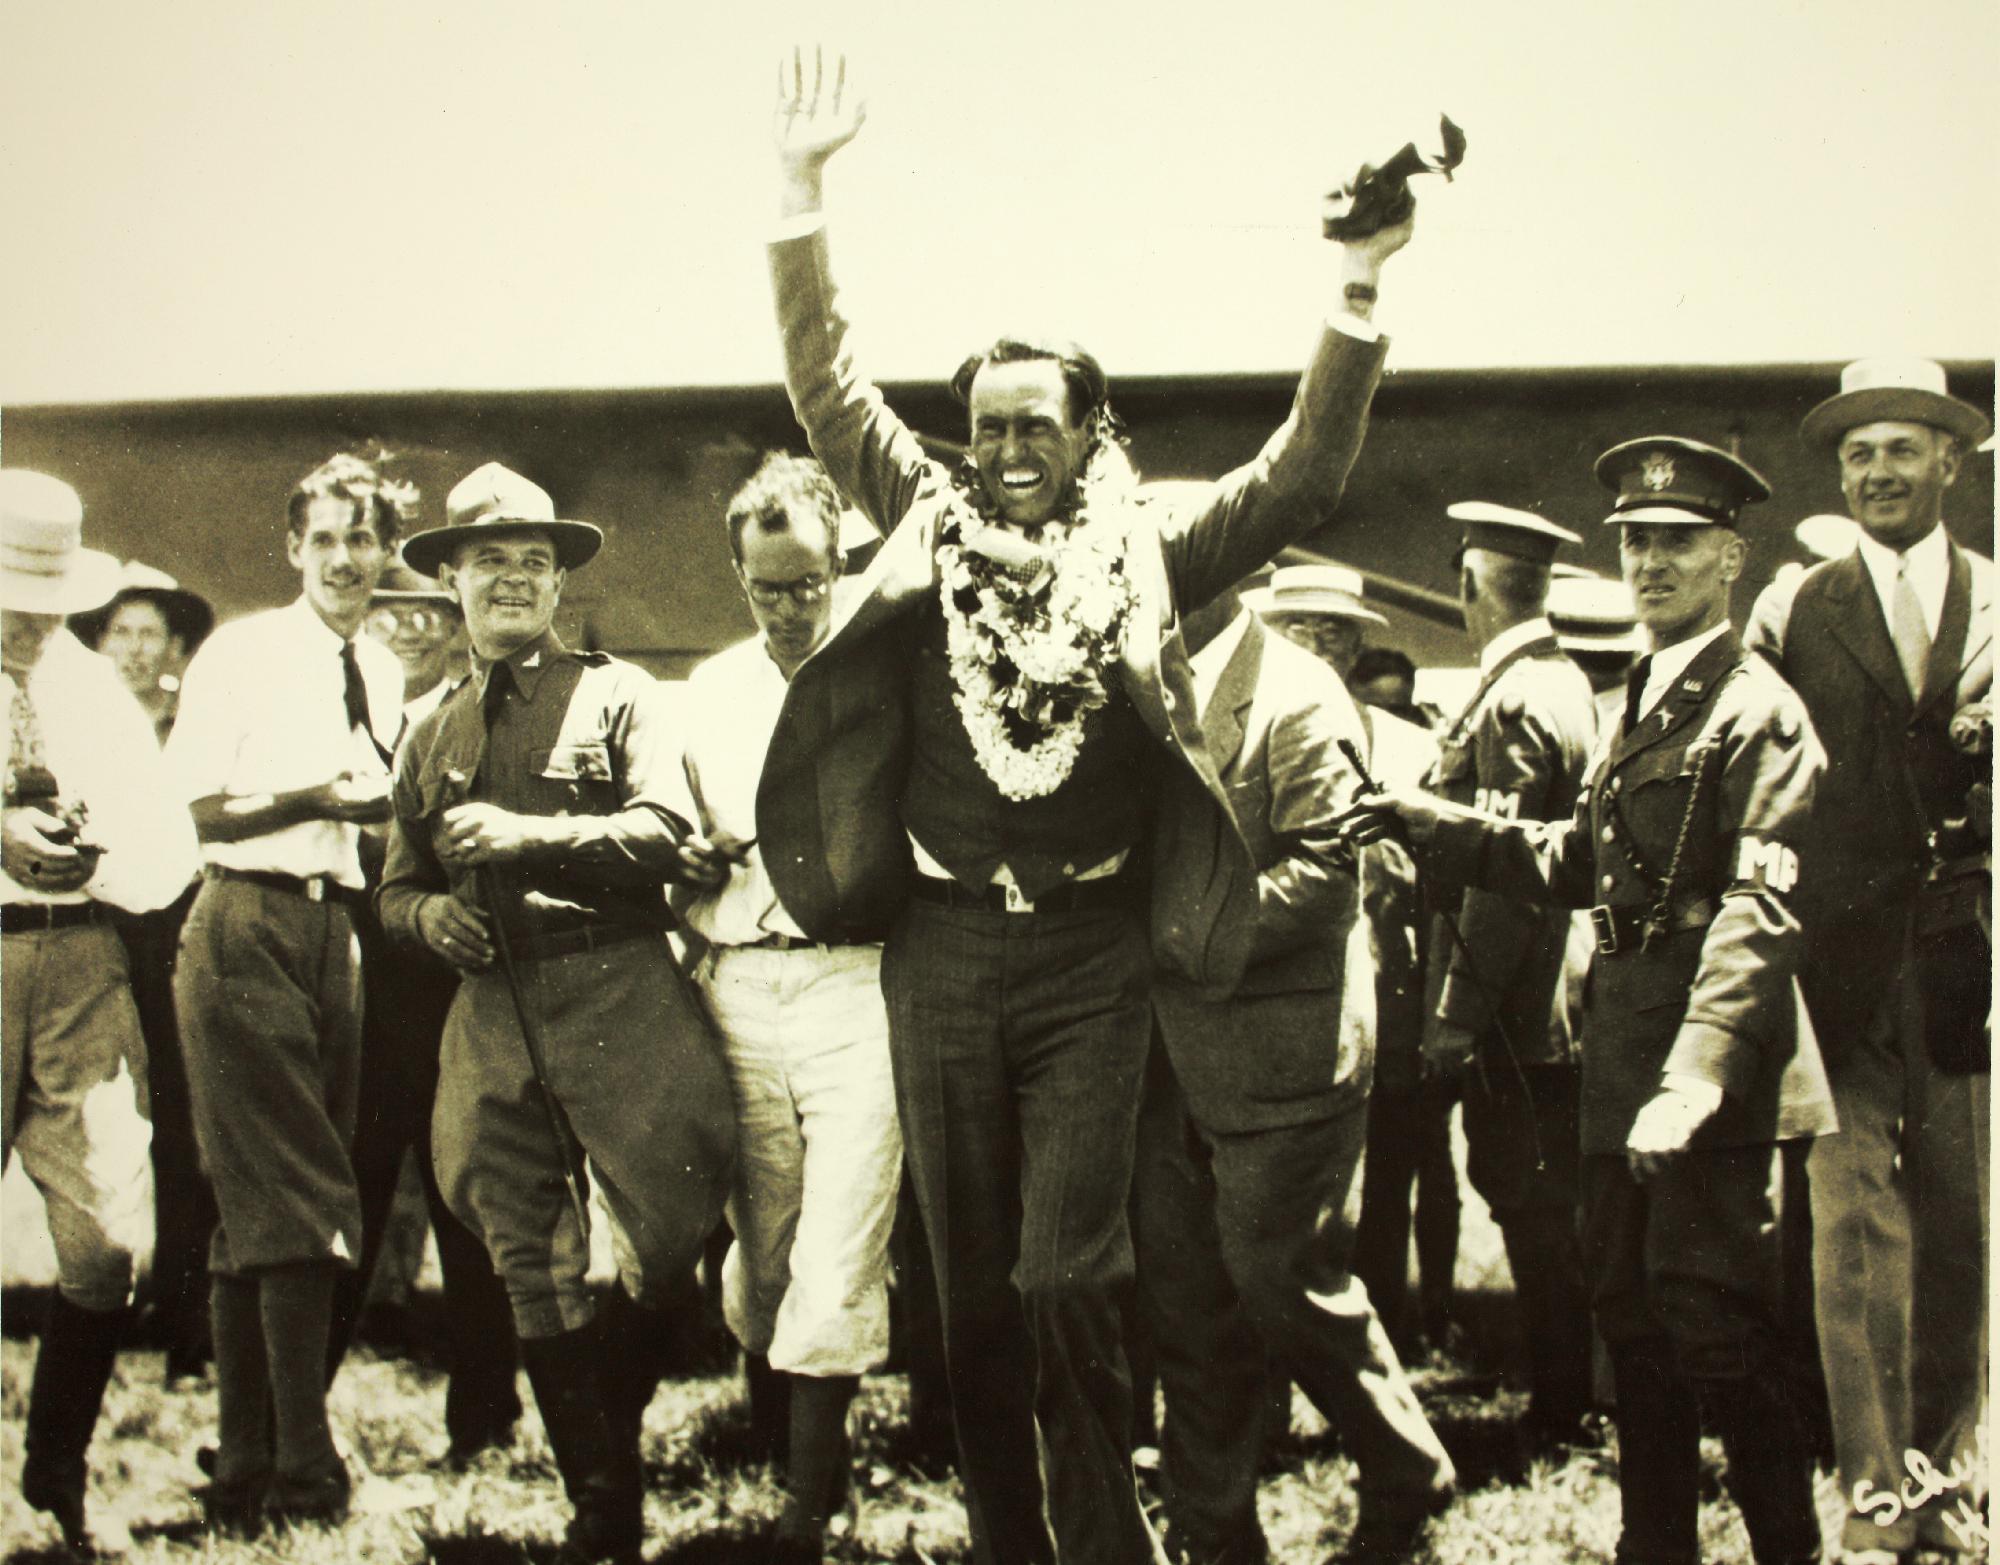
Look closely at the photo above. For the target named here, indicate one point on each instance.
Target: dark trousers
(1019, 1043)
(1244, 1239)
(1521, 1132)
(183, 1203)
(407, 997)
(1408, 1145)
(1684, 1272)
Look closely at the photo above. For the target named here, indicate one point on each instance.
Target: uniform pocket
(573, 762)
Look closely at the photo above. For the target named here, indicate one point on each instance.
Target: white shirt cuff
(797, 226)
(1703, 1092)
(1350, 325)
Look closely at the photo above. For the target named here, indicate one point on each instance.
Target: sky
(208, 199)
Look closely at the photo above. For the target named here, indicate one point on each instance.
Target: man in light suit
(1252, 1126)
(1885, 645)
(953, 774)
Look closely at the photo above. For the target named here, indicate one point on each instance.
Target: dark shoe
(467, 1451)
(232, 1510)
(598, 1460)
(1390, 1522)
(320, 1497)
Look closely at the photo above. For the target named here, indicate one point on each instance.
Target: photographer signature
(1926, 1482)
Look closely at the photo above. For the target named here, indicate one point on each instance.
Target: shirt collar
(315, 628)
(1669, 663)
(526, 663)
(1928, 559)
(1511, 640)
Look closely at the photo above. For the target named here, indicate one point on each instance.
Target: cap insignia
(1656, 471)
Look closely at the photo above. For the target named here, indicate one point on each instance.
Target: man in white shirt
(806, 1035)
(1885, 645)
(88, 826)
(282, 751)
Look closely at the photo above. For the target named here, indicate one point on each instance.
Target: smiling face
(1027, 448)
(1680, 576)
(339, 557)
(507, 586)
(1894, 476)
(420, 632)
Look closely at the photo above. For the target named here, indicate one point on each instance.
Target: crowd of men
(1043, 861)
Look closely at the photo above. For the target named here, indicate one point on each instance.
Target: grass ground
(708, 1499)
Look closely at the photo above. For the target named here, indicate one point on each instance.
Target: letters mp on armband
(1768, 864)
(1495, 801)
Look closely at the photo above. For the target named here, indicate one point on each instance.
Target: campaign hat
(1664, 478)
(494, 500)
(1905, 391)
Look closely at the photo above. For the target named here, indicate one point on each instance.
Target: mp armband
(1768, 866)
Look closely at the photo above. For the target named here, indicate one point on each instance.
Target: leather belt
(19, 918)
(1622, 930)
(1075, 896)
(573, 942)
(314, 888)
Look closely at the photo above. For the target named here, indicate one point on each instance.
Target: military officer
(1493, 1024)
(1697, 1059)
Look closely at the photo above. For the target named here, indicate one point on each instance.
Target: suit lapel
(1861, 629)
(1222, 718)
(906, 568)
(1689, 694)
(1949, 650)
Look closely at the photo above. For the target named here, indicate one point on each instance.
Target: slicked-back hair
(784, 492)
(1087, 395)
(363, 481)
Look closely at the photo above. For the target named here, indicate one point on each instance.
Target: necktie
(356, 695)
(1635, 691)
(1910, 630)
(24, 731)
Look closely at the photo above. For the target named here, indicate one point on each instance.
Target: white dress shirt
(100, 745)
(1929, 562)
(263, 710)
(1669, 663)
(1208, 664)
(731, 705)
(1513, 636)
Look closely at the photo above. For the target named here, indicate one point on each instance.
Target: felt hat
(1313, 589)
(496, 500)
(44, 567)
(1908, 391)
(1663, 478)
(188, 614)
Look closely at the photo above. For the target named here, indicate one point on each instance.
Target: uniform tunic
(630, 1059)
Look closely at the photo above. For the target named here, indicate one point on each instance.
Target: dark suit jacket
(828, 805)
(1717, 999)
(1296, 1036)
(1889, 765)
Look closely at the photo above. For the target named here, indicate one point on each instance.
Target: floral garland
(1029, 645)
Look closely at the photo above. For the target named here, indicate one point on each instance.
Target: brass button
(1609, 882)
(1610, 835)
(1617, 783)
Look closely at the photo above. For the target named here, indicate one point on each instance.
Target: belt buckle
(1015, 900)
(1606, 929)
(314, 887)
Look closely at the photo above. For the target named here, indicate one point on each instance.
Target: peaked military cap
(1504, 530)
(1663, 478)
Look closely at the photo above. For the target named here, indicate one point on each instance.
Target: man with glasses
(805, 1034)
(408, 993)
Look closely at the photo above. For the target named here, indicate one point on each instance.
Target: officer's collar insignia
(1656, 471)
(1692, 686)
(1666, 718)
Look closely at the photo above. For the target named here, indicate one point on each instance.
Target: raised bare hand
(817, 114)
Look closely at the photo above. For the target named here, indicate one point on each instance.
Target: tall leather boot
(637, 1342)
(600, 1472)
(1546, 1259)
(1770, 1466)
(79, 1348)
(1659, 1456)
(770, 1396)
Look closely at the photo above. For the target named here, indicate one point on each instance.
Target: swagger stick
(489, 885)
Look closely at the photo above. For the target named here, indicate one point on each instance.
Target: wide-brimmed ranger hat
(1313, 589)
(188, 614)
(494, 500)
(44, 567)
(1663, 478)
(1904, 391)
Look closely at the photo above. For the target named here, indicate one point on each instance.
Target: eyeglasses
(805, 592)
(387, 621)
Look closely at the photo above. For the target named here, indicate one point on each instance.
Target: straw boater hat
(1313, 589)
(1828, 537)
(1908, 391)
(44, 567)
(188, 614)
(1591, 613)
(496, 500)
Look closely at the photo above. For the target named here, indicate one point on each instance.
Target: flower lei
(1028, 651)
